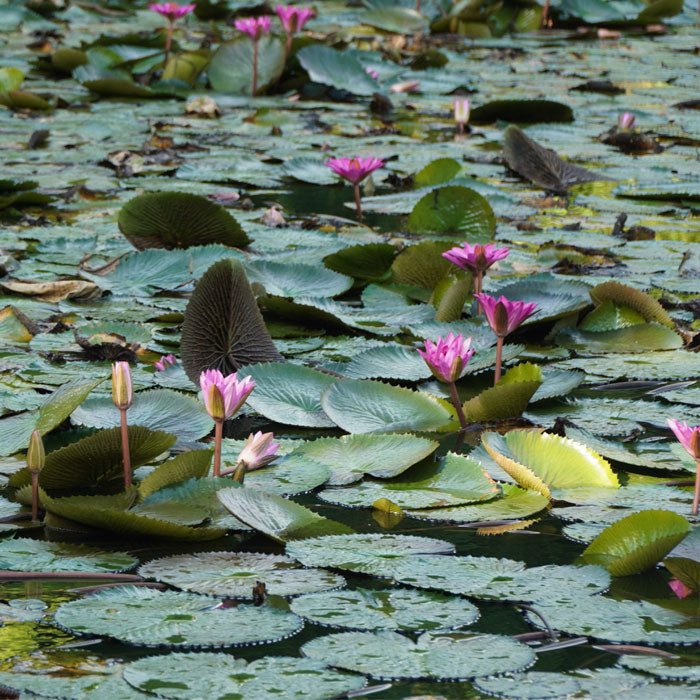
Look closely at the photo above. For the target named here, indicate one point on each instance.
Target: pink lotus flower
(254, 27)
(625, 121)
(477, 258)
(679, 588)
(171, 10)
(687, 436)
(165, 362)
(446, 358)
(258, 451)
(223, 396)
(505, 316)
(293, 18)
(461, 114)
(354, 170)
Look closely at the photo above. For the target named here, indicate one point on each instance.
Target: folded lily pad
(152, 618)
(368, 261)
(641, 302)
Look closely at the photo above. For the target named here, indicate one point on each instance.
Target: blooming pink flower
(475, 257)
(625, 120)
(372, 73)
(462, 111)
(258, 451)
(679, 588)
(446, 358)
(687, 436)
(254, 27)
(354, 169)
(122, 386)
(171, 10)
(293, 18)
(504, 316)
(165, 362)
(223, 396)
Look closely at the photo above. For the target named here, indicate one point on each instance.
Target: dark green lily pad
(338, 69)
(522, 112)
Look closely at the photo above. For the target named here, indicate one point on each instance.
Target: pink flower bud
(122, 387)
(223, 396)
(254, 27)
(687, 436)
(505, 316)
(293, 18)
(447, 358)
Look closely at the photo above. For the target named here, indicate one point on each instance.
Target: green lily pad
(391, 656)
(235, 574)
(395, 19)
(635, 543)
(522, 112)
(368, 261)
(667, 668)
(389, 609)
(366, 406)
(339, 69)
(639, 338)
(36, 555)
(352, 456)
(152, 618)
(190, 676)
(194, 464)
(296, 279)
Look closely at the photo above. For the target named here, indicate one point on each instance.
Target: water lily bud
(35, 453)
(122, 387)
(214, 402)
(500, 319)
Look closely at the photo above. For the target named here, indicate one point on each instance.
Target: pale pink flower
(165, 362)
(122, 386)
(293, 18)
(254, 27)
(258, 451)
(405, 86)
(462, 112)
(171, 10)
(679, 588)
(354, 170)
(687, 436)
(223, 396)
(504, 316)
(447, 358)
(476, 258)
(625, 121)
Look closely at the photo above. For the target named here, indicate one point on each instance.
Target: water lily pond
(349, 350)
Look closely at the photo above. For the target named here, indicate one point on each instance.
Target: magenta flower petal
(447, 358)
(505, 316)
(292, 18)
(476, 257)
(223, 396)
(254, 27)
(171, 10)
(354, 170)
(679, 588)
(687, 436)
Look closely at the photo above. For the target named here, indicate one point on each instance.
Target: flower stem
(418, 6)
(358, 203)
(218, 433)
(255, 67)
(35, 496)
(168, 41)
(499, 359)
(696, 494)
(478, 282)
(287, 47)
(125, 449)
(457, 404)
(460, 126)
(545, 14)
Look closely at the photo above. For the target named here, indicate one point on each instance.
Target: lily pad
(338, 69)
(522, 112)
(296, 279)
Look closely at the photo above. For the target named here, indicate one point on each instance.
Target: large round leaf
(297, 279)
(289, 394)
(192, 676)
(541, 461)
(521, 111)
(635, 543)
(455, 211)
(366, 406)
(235, 574)
(336, 68)
(642, 337)
(178, 220)
(389, 609)
(148, 617)
(391, 656)
(231, 66)
(352, 456)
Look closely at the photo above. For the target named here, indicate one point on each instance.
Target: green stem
(499, 359)
(125, 449)
(218, 434)
(358, 203)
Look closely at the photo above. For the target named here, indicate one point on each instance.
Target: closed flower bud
(122, 387)
(35, 453)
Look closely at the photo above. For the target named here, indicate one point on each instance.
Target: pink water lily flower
(223, 396)
(355, 170)
(476, 258)
(625, 121)
(461, 114)
(171, 11)
(447, 358)
(690, 439)
(165, 362)
(254, 27)
(258, 451)
(679, 588)
(293, 18)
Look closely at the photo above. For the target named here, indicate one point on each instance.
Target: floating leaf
(368, 261)
(178, 220)
(223, 328)
(541, 461)
(148, 617)
(338, 69)
(389, 609)
(184, 676)
(296, 279)
(454, 211)
(366, 406)
(235, 574)
(668, 668)
(395, 19)
(36, 555)
(640, 338)
(541, 165)
(522, 112)
(437, 172)
(350, 457)
(277, 517)
(635, 543)
(391, 656)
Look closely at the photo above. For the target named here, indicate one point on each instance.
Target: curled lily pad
(190, 676)
(148, 617)
(368, 261)
(390, 609)
(641, 302)
(193, 464)
(422, 264)
(36, 555)
(234, 574)
(635, 543)
(391, 656)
